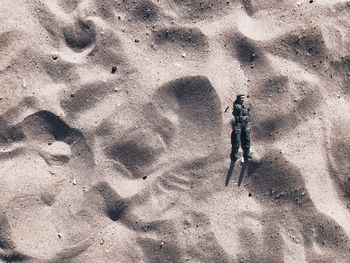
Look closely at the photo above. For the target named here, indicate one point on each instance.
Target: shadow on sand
(230, 171)
(241, 174)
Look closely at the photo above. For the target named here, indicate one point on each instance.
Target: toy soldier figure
(241, 131)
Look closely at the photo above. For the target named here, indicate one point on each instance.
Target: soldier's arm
(236, 112)
(249, 110)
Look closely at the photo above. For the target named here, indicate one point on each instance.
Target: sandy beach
(116, 121)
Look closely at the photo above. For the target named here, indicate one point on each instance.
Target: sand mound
(80, 36)
(115, 124)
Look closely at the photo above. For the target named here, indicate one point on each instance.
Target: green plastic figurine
(241, 131)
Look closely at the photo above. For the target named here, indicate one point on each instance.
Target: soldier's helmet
(240, 95)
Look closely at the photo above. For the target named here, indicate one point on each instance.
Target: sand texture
(115, 131)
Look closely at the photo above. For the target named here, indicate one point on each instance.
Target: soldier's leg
(236, 141)
(246, 141)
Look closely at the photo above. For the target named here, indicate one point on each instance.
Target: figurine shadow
(230, 171)
(241, 174)
(253, 165)
(233, 162)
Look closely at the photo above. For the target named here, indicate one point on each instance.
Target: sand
(115, 127)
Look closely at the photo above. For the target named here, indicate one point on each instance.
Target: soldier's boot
(234, 157)
(247, 155)
(234, 154)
